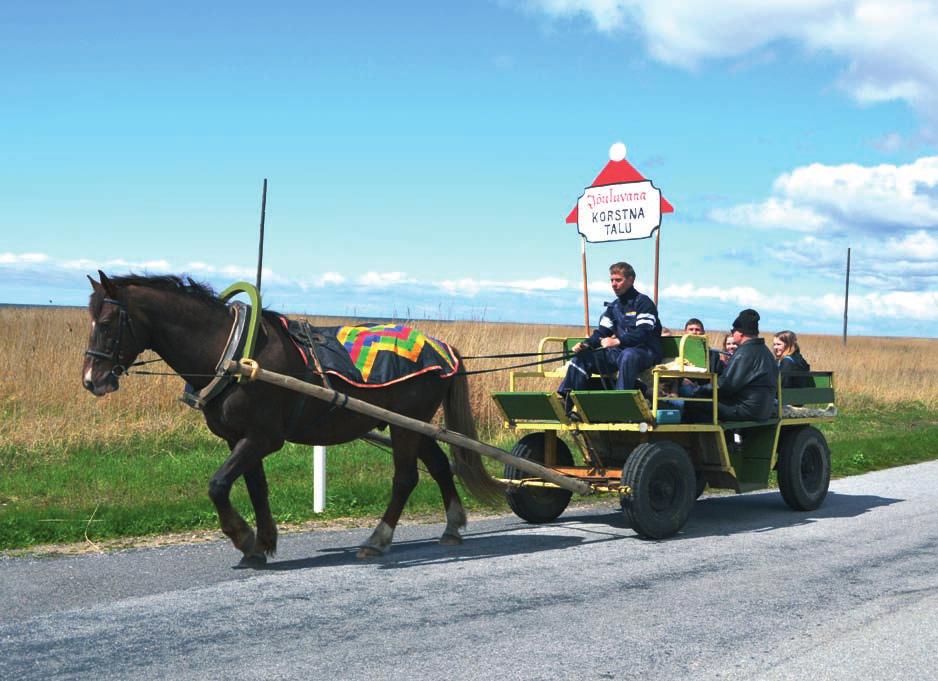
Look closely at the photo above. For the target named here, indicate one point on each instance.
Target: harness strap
(234, 349)
(310, 357)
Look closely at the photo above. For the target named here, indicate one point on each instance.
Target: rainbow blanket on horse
(372, 355)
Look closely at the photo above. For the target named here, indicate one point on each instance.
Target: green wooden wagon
(630, 446)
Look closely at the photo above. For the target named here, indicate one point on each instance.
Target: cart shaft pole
(344, 401)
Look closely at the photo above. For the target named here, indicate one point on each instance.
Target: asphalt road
(749, 590)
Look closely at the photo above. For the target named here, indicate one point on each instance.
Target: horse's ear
(106, 283)
(95, 286)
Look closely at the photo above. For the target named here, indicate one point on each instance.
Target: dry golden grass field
(46, 412)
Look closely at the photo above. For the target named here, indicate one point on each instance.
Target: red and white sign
(620, 204)
(616, 212)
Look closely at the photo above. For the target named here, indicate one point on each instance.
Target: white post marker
(319, 479)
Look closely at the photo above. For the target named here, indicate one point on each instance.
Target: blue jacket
(633, 319)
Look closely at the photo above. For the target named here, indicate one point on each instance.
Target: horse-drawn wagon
(657, 465)
(251, 379)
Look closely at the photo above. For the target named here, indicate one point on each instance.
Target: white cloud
(877, 200)
(907, 263)
(22, 258)
(329, 278)
(901, 306)
(773, 213)
(471, 287)
(384, 279)
(743, 296)
(889, 196)
(889, 46)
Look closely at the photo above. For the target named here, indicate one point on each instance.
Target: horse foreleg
(245, 455)
(438, 466)
(405, 479)
(256, 482)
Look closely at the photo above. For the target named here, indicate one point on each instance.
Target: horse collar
(234, 350)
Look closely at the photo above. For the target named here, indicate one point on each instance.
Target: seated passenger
(788, 355)
(719, 358)
(694, 327)
(747, 386)
(627, 340)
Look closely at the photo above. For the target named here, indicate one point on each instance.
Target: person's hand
(609, 342)
(579, 347)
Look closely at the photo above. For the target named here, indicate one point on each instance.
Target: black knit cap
(747, 322)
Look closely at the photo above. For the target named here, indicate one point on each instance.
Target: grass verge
(99, 493)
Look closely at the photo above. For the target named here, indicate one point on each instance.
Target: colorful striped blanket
(374, 355)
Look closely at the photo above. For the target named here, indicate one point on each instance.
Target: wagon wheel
(804, 468)
(663, 484)
(537, 504)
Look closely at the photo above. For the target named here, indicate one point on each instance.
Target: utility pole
(846, 295)
(260, 246)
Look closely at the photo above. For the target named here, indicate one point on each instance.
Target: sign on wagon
(615, 212)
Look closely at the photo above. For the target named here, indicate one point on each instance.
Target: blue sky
(422, 156)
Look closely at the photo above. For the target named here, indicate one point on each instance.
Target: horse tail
(457, 410)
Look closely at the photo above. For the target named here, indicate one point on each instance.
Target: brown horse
(187, 325)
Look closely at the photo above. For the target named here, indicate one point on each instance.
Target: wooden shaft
(586, 298)
(252, 371)
(657, 249)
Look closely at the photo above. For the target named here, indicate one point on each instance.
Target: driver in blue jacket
(627, 340)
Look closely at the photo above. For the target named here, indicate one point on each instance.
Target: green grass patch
(158, 485)
(868, 438)
(107, 492)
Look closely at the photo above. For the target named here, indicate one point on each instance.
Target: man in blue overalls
(627, 340)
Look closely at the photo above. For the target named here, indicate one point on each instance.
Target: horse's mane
(171, 284)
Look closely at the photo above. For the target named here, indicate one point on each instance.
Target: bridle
(112, 348)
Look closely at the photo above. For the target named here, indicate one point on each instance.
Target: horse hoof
(450, 540)
(366, 552)
(256, 560)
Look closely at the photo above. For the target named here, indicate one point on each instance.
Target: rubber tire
(663, 483)
(804, 468)
(537, 505)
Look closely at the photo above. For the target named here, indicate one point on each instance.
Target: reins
(548, 359)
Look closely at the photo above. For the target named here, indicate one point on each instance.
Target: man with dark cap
(747, 386)
(627, 340)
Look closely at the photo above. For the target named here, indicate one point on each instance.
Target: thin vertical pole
(657, 249)
(846, 296)
(260, 246)
(586, 300)
(319, 479)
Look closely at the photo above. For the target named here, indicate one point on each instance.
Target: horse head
(113, 345)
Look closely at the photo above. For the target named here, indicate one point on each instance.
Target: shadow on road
(480, 545)
(764, 512)
(711, 516)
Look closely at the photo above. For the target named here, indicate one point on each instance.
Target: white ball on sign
(617, 152)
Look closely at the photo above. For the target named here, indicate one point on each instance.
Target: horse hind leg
(438, 465)
(404, 445)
